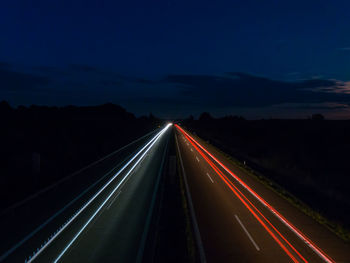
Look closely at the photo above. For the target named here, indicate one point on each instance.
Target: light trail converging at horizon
(142, 152)
(201, 150)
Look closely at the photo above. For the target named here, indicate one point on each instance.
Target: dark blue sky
(281, 40)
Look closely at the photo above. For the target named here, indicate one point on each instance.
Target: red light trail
(251, 207)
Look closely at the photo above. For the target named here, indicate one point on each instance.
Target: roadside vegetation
(40, 145)
(305, 161)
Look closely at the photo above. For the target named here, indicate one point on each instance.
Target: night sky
(259, 59)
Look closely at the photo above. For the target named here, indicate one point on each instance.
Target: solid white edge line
(271, 209)
(93, 198)
(248, 234)
(191, 208)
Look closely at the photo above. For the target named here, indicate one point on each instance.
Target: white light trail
(150, 144)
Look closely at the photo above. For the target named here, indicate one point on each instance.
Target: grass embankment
(335, 227)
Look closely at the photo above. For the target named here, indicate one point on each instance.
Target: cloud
(80, 78)
(342, 87)
(338, 87)
(315, 106)
(84, 68)
(5, 65)
(18, 81)
(172, 94)
(244, 90)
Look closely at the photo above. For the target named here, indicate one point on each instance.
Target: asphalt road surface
(235, 218)
(241, 220)
(111, 221)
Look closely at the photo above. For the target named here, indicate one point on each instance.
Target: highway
(236, 218)
(104, 214)
(110, 222)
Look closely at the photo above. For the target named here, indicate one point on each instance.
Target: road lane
(296, 249)
(322, 236)
(222, 236)
(74, 237)
(27, 224)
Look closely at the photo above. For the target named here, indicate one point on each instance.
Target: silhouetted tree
(40, 144)
(151, 117)
(4, 106)
(205, 116)
(317, 117)
(190, 118)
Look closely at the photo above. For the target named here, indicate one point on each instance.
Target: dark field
(41, 145)
(308, 158)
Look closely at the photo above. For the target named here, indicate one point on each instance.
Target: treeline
(40, 145)
(310, 157)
